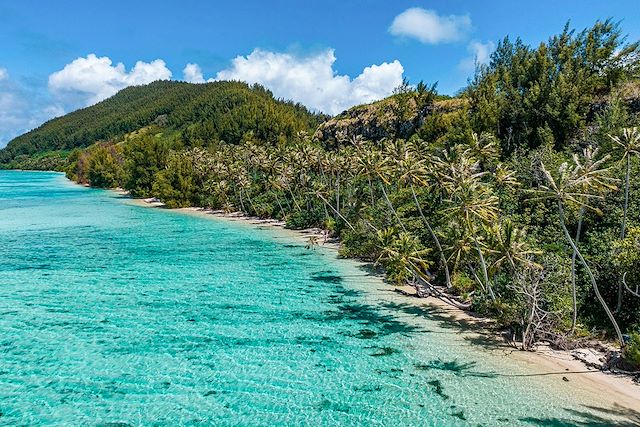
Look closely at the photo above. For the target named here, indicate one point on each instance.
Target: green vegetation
(519, 199)
(200, 113)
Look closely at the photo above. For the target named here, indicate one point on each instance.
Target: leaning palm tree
(628, 145)
(415, 172)
(568, 188)
(320, 191)
(386, 171)
(590, 175)
(402, 254)
(471, 202)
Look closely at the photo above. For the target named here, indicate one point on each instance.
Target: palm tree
(471, 201)
(628, 145)
(405, 257)
(483, 148)
(414, 172)
(590, 175)
(509, 245)
(320, 191)
(403, 254)
(566, 189)
(366, 160)
(386, 171)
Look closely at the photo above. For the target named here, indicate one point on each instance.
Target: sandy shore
(612, 391)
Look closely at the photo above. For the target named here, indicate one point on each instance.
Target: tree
(565, 189)
(145, 156)
(413, 172)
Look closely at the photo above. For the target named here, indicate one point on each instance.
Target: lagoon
(116, 314)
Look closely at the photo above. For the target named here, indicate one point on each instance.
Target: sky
(60, 55)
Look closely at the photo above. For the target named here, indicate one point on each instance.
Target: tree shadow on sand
(448, 319)
(618, 416)
(461, 369)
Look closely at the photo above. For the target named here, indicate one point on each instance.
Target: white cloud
(312, 80)
(192, 73)
(86, 81)
(429, 27)
(479, 54)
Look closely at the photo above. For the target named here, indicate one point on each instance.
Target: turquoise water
(115, 314)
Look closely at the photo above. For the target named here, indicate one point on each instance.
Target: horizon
(88, 53)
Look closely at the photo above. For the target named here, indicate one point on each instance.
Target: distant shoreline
(610, 389)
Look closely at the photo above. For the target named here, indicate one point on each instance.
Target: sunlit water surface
(115, 314)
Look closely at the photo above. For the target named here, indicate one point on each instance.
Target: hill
(200, 112)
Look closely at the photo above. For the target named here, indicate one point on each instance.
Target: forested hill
(200, 112)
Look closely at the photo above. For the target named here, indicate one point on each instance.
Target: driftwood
(425, 289)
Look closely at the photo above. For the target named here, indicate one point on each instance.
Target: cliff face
(382, 119)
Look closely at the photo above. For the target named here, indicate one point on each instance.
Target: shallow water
(114, 314)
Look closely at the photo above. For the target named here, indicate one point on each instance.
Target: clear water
(114, 314)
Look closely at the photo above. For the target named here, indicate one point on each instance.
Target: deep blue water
(114, 313)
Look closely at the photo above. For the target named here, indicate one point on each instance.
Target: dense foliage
(520, 199)
(201, 112)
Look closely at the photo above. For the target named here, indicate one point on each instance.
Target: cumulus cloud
(192, 73)
(429, 27)
(86, 81)
(479, 54)
(312, 80)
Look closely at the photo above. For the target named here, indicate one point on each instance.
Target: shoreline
(577, 366)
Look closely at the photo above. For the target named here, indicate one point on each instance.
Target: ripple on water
(115, 315)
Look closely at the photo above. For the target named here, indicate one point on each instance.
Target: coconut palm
(509, 246)
(366, 160)
(628, 145)
(471, 202)
(403, 255)
(568, 188)
(483, 148)
(386, 171)
(590, 176)
(414, 172)
(321, 192)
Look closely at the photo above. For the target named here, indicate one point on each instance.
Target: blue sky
(56, 56)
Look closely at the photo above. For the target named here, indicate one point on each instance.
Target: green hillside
(200, 112)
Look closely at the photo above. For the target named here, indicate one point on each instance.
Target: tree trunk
(574, 296)
(279, 204)
(295, 202)
(251, 204)
(483, 263)
(443, 260)
(623, 230)
(338, 192)
(338, 213)
(241, 202)
(386, 197)
(590, 274)
(371, 190)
